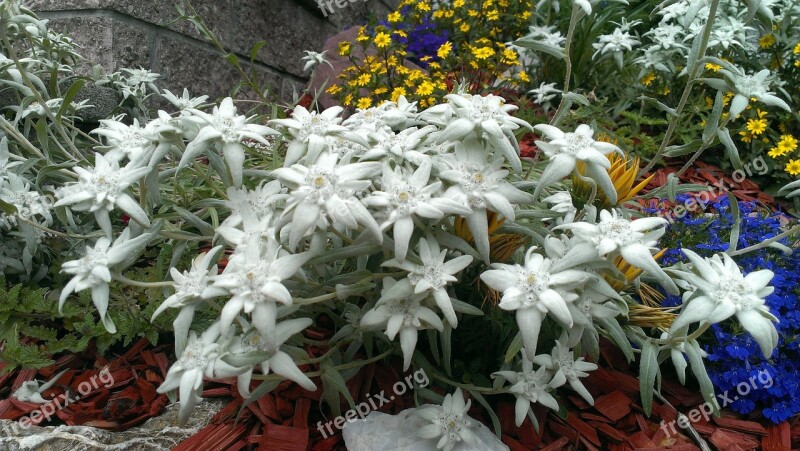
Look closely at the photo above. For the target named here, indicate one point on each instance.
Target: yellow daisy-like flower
(348, 100)
(648, 79)
(381, 90)
(793, 167)
(464, 27)
(473, 13)
(425, 88)
(363, 79)
(756, 126)
(364, 103)
(776, 152)
(510, 56)
(483, 52)
(344, 48)
(713, 67)
(334, 89)
(492, 15)
(796, 49)
(382, 40)
(746, 136)
(767, 41)
(362, 35)
(522, 75)
(423, 6)
(394, 17)
(458, 3)
(444, 50)
(400, 33)
(397, 92)
(787, 143)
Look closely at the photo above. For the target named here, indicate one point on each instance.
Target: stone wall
(146, 33)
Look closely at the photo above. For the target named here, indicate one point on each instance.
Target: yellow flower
(767, 41)
(364, 103)
(492, 15)
(713, 67)
(422, 6)
(381, 90)
(344, 48)
(458, 3)
(756, 126)
(394, 17)
(473, 13)
(483, 52)
(397, 92)
(334, 89)
(793, 167)
(425, 88)
(464, 27)
(796, 49)
(400, 33)
(509, 56)
(776, 152)
(787, 143)
(382, 40)
(444, 50)
(523, 76)
(648, 79)
(362, 35)
(348, 100)
(363, 79)
(746, 136)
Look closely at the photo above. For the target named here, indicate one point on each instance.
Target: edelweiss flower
(449, 421)
(327, 189)
(127, 141)
(400, 146)
(481, 115)
(31, 391)
(617, 43)
(562, 361)
(200, 359)
(432, 276)
(747, 87)
(225, 127)
(404, 196)
(186, 101)
(566, 149)
(530, 290)
(404, 315)
(190, 292)
(481, 185)
(254, 277)
(93, 270)
(616, 235)
(544, 94)
(278, 362)
(309, 130)
(722, 291)
(530, 387)
(103, 188)
(313, 59)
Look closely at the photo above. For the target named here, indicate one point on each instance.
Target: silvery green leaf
(433, 342)
(334, 385)
(463, 307)
(612, 327)
(730, 147)
(447, 347)
(648, 370)
(737, 222)
(716, 83)
(575, 97)
(540, 47)
(513, 348)
(712, 122)
(661, 106)
(493, 416)
(672, 184)
(752, 8)
(693, 352)
(194, 220)
(683, 149)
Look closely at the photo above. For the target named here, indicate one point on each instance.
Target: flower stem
(573, 22)
(765, 243)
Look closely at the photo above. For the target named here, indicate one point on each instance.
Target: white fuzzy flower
(186, 101)
(277, 361)
(431, 276)
(313, 59)
(722, 291)
(404, 315)
(482, 116)
(529, 290)
(200, 359)
(406, 195)
(530, 387)
(749, 87)
(102, 188)
(227, 129)
(310, 129)
(449, 422)
(327, 190)
(191, 289)
(544, 94)
(481, 185)
(127, 141)
(617, 43)
(566, 149)
(616, 235)
(253, 278)
(567, 369)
